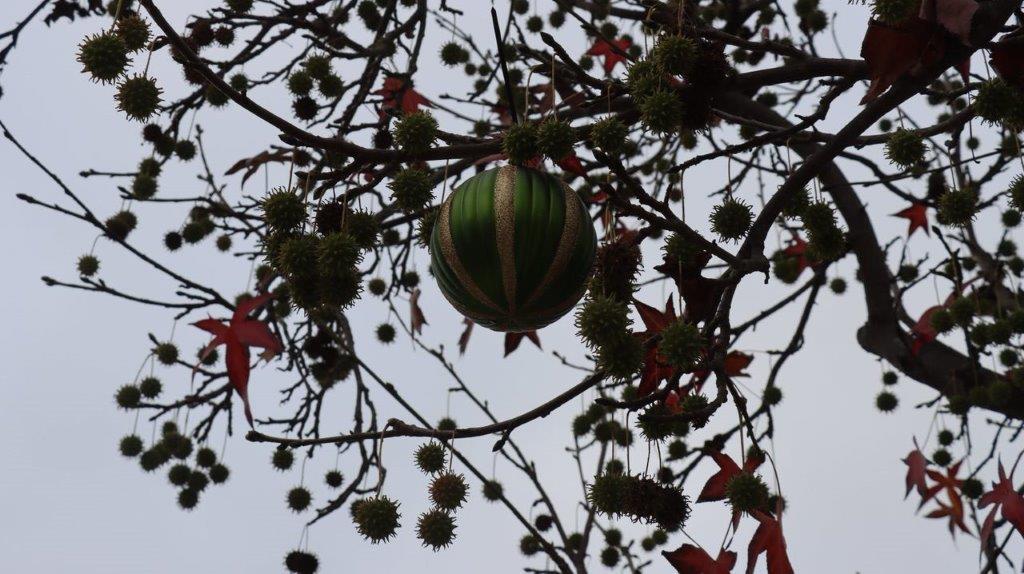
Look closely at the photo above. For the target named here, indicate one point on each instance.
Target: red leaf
(238, 335)
(916, 466)
(398, 93)
(688, 559)
(611, 55)
(953, 15)
(571, 163)
(416, 318)
(798, 248)
(512, 340)
(464, 337)
(1006, 498)
(953, 512)
(714, 488)
(891, 51)
(1008, 59)
(923, 331)
(655, 368)
(917, 215)
(736, 362)
(252, 164)
(768, 539)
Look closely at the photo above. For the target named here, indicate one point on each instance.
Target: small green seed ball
(334, 479)
(942, 457)
(425, 227)
(185, 150)
(493, 490)
(205, 457)
(958, 207)
(128, 397)
(299, 499)
(88, 265)
(300, 562)
(886, 402)
(543, 522)
(581, 425)
(223, 242)
(945, 437)
(188, 499)
(283, 211)
(453, 54)
(614, 466)
(416, 133)
(621, 358)
(643, 78)
(430, 457)
(179, 474)
(666, 475)
(377, 286)
(996, 102)
(172, 241)
(282, 459)
(166, 353)
(609, 135)
(448, 491)
(890, 378)
(411, 189)
(731, 219)
(520, 143)
(130, 446)
(305, 108)
(103, 56)
(659, 536)
(138, 97)
(144, 186)
(215, 97)
(529, 545)
(602, 320)
(681, 344)
(119, 225)
(150, 387)
(555, 139)
(376, 518)
(677, 448)
(837, 285)
(661, 112)
(446, 424)
(219, 473)
(300, 83)
(907, 273)
(410, 279)
(675, 55)
(318, 66)
(904, 148)
(390, 237)
(239, 82)
(556, 19)
(613, 537)
(942, 321)
(772, 396)
(1008, 357)
(747, 492)
(962, 310)
(610, 556)
(972, 488)
(385, 333)
(1016, 192)
(134, 32)
(1011, 218)
(436, 529)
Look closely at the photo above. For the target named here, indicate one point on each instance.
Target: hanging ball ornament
(512, 248)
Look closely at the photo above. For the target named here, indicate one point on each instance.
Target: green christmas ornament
(512, 249)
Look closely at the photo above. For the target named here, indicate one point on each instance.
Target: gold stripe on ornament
(566, 245)
(451, 257)
(505, 229)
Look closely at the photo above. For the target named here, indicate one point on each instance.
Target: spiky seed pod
(219, 473)
(886, 402)
(581, 425)
(436, 529)
(334, 479)
(193, 232)
(448, 490)
(617, 264)
(613, 537)
(904, 148)
(772, 396)
(201, 33)
(529, 545)
(693, 404)
(1008, 357)
(411, 189)
(299, 499)
(215, 97)
(893, 11)
(543, 522)
(555, 139)
(144, 186)
(179, 474)
(962, 310)
(520, 143)
(818, 217)
(205, 457)
(677, 448)
(337, 257)
(430, 457)
(409, 279)
(119, 225)
(224, 36)
(130, 446)
(452, 54)
(643, 78)
(185, 150)
(661, 111)
(654, 429)
(239, 82)
(153, 458)
(997, 102)
(390, 237)
(1011, 218)
(610, 556)
(602, 320)
(318, 66)
(609, 135)
(648, 544)
(641, 498)
(747, 492)
(425, 227)
(1016, 192)
(376, 518)
(152, 133)
(283, 211)
(385, 333)
(415, 133)
(301, 562)
(837, 285)
(377, 286)
(942, 457)
(282, 459)
(731, 219)
(958, 207)
(614, 466)
(223, 242)
(675, 55)
(330, 86)
(447, 424)
(240, 6)
(164, 146)
(493, 490)
(150, 387)
(622, 358)
(305, 108)
(88, 265)
(134, 32)
(103, 56)
(188, 499)
(681, 344)
(166, 353)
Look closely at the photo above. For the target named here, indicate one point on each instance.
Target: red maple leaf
(923, 331)
(416, 317)
(655, 368)
(948, 482)
(396, 87)
(464, 337)
(512, 340)
(917, 216)
(893, 50)
(797, 247)
(953, 15)
(571, 163)
(1006, 498)
(611, 55)
(768, 539)
(714, 488)
(916, 466)
(237, 336)
(688, 559)
(1008, 59)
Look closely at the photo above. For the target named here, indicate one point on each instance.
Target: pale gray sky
(70, 502)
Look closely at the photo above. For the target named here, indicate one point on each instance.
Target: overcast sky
(70, 502)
